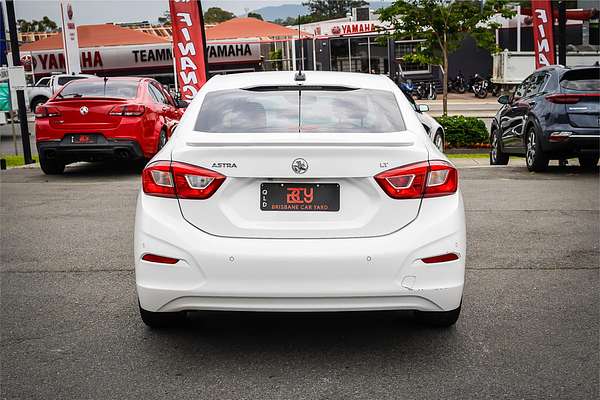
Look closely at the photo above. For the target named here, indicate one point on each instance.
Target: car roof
(312, 78)
(118, 78)
(558, 67)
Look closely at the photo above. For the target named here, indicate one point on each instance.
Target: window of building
(407, 47)
(339, 55)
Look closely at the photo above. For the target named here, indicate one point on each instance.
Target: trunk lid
(348, 160)
(582, 86)
(85, 114)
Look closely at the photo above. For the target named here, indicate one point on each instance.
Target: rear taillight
(130, 110)
(423, 179)
(569, 98)
(185, 181)
(46, 112)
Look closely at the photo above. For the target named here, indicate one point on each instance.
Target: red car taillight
(130, 110)
(571, 98)
(46, 112)
(175, 179)
(423, 179)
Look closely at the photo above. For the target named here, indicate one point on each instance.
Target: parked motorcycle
(408, 87)
(426, 90)
(481, 86)
(458, 84)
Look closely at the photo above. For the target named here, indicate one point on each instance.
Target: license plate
(300, 197)
(84, 139)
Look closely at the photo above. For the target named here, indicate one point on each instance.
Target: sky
(102, 11)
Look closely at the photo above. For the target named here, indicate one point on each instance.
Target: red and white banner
(189, 43)
(543, 37)
(70, 39)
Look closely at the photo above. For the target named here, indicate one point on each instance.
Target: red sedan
(104, 118)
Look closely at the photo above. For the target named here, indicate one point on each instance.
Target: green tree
(442, 25)
(215, 15)
(165, 18)
(44, 25)
(321, 10)
(255, 15)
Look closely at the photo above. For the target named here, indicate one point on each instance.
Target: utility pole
(14, 48)
(562, 33)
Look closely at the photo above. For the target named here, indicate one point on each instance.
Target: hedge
(464, 131)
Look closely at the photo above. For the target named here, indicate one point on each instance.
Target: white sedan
(300, 192)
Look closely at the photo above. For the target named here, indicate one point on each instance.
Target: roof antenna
(299, 75)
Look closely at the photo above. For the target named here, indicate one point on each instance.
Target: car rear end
(324, 198)
(573, 126)
(92, 119)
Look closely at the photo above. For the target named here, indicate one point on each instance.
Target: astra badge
(223, 165)
(299, 165)
(83, 110)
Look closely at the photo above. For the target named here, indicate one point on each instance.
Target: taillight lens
(175, 179)
(130, 110)
(423, 179)
(569, 98)
(157, 179)
(46, 112)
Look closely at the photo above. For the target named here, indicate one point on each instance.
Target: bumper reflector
(559, 136)
(441, 258)
(159, 259)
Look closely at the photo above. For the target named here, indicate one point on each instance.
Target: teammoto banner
(543, 23)
(188, 46)
(136, 58)
(70, 40)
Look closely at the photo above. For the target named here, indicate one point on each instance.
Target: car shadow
(104, 168)
(310, 333)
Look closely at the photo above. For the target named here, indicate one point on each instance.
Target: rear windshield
(64, 79)
(581, 79)
(288, 109)
(100, 88)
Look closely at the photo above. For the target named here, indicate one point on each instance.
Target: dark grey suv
(553, 114)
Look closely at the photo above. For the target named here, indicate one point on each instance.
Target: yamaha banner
(189, 46)
(543, 23)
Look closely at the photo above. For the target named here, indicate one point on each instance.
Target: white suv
(310, 192)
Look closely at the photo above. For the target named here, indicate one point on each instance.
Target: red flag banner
(189, 46)
(543, 36)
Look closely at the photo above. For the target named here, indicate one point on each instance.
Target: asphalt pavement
(529, 328)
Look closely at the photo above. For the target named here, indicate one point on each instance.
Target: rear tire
(38, 101)
(589, 161)
(497, 157)
(438, 140)
(162, 140)
(51, 167)
(439, 319)
(161, 320)
(536, 160)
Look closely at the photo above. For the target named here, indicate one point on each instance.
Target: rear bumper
(581, 140)
(104, 149)
(374, 273)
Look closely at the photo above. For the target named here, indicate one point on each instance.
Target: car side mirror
(423, 108)
(179, 103)
(504, 99)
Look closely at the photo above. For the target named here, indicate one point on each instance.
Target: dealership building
(238, 45)
(352, 44)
